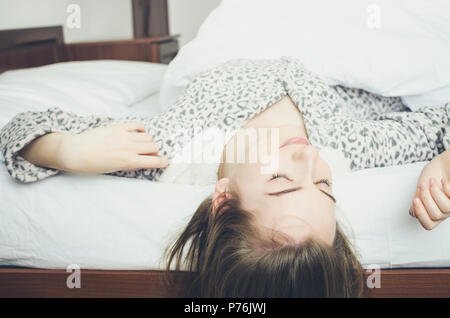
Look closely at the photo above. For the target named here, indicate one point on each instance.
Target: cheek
(323, 168)
(249, 183)
(249, 173)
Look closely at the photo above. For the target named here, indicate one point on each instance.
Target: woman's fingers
(446, 187)
(441, 199)
(143, 147)
(422, 215)
(146, 148)
(430, 205)
(141, 137)
(151, 162)
(134, 126)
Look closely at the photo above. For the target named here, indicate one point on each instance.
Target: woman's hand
(431, 203)
(113, 148)
(123, 146)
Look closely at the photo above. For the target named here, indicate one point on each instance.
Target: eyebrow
(297, 189)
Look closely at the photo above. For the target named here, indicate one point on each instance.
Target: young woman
(262, 233)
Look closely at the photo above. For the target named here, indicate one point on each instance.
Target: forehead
(301, 215)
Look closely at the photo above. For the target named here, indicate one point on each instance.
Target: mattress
(108, 222)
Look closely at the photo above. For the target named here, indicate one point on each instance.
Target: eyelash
(326, 181)
(276, 175)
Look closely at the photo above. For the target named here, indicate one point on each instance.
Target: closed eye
(324, 181)
(280, 175)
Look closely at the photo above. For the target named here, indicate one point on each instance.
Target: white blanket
(388, 47)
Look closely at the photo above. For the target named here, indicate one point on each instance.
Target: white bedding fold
(392, 48)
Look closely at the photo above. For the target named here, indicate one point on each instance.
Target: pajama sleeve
(27, 126)
(394, 138)
(407, 137)
(360, 125)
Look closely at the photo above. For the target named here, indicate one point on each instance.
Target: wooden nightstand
(155, 49)
(165, 49)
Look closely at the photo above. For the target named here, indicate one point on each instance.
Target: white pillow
(88, 87)
(393, 48)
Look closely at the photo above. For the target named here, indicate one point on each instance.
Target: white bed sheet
(105, 87)
(146, 107)
(107, 222)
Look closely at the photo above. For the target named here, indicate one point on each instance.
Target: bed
(82, 219)
(78, 220)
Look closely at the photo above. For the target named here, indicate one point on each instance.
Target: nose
(306, 158)
(308, 153)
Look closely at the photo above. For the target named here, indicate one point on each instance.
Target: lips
(296, 141)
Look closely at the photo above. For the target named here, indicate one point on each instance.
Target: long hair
(227, 255)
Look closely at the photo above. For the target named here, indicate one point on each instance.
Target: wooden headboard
(22, 48)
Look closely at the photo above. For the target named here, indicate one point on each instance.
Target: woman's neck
(282, 113)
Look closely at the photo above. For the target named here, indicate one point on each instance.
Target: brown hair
(228, 256)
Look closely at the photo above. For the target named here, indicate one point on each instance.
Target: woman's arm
(45, 151)
(419, 136)
(394, 138)
(406, 137)
(362, 128)
(37, 145)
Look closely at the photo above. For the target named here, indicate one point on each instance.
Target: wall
(186, 16)
(101, 19)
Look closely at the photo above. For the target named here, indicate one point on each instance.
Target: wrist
(446, 156)
(65, 152)
(445, 163)
(46, 151)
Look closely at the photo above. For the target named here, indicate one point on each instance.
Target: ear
(220, 193)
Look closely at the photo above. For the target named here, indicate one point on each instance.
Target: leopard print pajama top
(370, 130)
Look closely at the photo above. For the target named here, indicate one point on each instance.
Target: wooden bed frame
(40, 46)
(22, 282)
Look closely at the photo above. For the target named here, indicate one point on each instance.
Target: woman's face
(297, 199)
